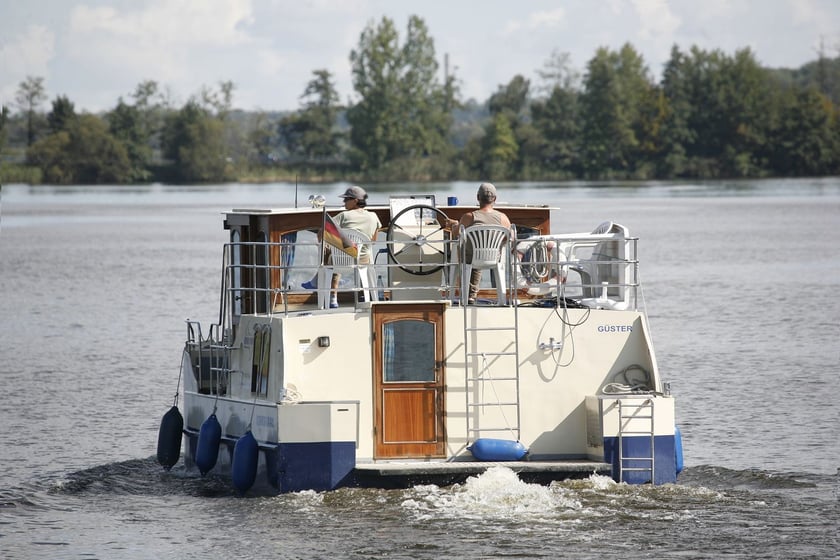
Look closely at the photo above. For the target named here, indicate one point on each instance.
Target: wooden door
(409, 381)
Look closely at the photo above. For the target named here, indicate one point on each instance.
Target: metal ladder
(481, 357)
(628, 413)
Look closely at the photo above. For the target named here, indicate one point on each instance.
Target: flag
(335, 237)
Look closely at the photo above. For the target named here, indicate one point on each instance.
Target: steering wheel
(417, 238)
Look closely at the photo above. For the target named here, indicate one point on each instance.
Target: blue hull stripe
(665, 460)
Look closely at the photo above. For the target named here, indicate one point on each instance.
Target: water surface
(740, 281)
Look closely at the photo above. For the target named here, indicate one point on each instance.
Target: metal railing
(265, 277)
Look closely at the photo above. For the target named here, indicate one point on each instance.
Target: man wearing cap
(485, 215)
(354, 217)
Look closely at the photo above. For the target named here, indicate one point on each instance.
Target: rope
(178, 386)
(291, 395)
(629, 385)
(564, 318)
(251, 419)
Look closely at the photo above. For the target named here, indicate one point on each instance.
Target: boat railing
(209, 357)
(599, 270)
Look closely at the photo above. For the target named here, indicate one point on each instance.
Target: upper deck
(416, 258)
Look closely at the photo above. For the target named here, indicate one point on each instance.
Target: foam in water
(497, 493)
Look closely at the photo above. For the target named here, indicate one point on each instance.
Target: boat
(551, 372)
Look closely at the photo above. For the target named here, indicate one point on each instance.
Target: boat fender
(489, 449)
(207, 449)
(678, 449)
(245, 458)
(169, 438)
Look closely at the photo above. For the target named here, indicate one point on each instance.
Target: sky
(96, 51)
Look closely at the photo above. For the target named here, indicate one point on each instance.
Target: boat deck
(402, 474)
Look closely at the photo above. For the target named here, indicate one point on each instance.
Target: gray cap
(486, 191)
(354, 192)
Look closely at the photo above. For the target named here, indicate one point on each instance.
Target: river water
(741, 281)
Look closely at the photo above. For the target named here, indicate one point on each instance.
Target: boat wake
(497, 493)
(142, 477)
(754, 479)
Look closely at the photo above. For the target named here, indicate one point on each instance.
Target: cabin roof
(377, 207)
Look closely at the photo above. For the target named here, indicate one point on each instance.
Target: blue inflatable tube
(489, 449)
(246, 455)
(207, 449)
(169, 438)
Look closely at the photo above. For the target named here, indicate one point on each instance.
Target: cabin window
(409, 348)
(260, 359)
(301, 261)
(288, 249)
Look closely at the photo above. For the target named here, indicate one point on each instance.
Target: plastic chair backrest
(340, 258)
(487, 242)
(609, 259)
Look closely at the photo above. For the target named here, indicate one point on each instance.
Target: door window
(409, 351)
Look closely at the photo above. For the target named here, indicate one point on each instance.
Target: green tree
(402, 112)
(152, 107)
(678, 136)
(499, 148)
(805, 140)
(617, 102)
(4, 120)
(220, 101)
(717, 114)
(374, 120)
(425, 101)
(63, 113)
(83, 152)
(30, 95)
(511, 99)
(746, 108)
(557, 116)
(261, 138)
(311, 133)
(193, 141)
(126, 123)
(558, 120)
(606, 129)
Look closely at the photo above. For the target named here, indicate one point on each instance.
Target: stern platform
(406, 474)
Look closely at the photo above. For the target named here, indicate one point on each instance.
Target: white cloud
(805, 11)
(720, 10)
(176, 43)
(656, 19)
(27, 54)
(180, 23)
(537, 20)
(94, 51)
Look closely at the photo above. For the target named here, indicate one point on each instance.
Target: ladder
(491, 367)
(638, 416)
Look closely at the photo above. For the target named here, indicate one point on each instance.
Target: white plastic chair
(607, 264)
(489, 245)
(339, 259)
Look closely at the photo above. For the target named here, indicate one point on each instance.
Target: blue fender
(246, 454)
(489, 449)
(678, 450)
(169, 438)
(207, 449)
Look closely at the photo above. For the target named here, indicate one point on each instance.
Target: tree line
(711, 115)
